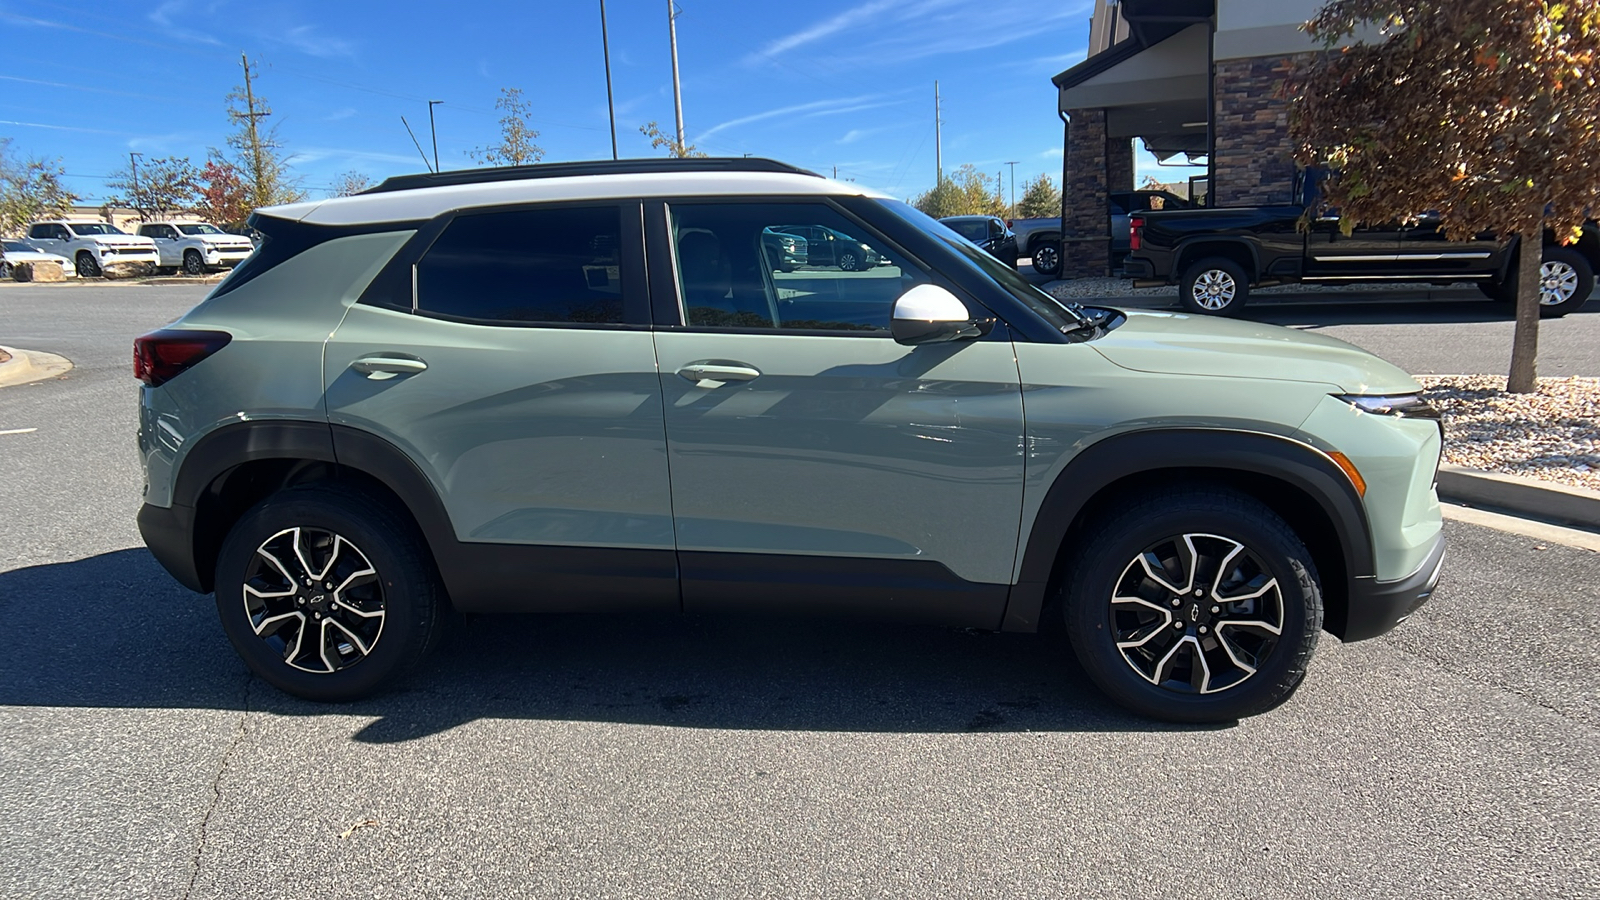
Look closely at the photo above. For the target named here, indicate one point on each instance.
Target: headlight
(1404, 406)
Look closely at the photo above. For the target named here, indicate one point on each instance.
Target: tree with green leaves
(156, 188)
(658, 140)
(1485, 111)
(1040, 199)
(517, 135)
(966, 192)
(258, 152)
(349, 184)
(30, 189)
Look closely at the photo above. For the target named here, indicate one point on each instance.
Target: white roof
(425, 203)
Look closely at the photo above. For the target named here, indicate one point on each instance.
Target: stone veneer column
(1254, 165)
(1086, 243)
(1119, 164)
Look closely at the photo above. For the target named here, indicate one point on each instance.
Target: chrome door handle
(716, 373)
(380, 368)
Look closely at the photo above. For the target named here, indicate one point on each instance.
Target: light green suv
(587, 386)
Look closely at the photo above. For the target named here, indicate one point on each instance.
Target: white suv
(196, 246)
(93, 247)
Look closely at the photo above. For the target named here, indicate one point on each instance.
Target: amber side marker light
(1350, 470)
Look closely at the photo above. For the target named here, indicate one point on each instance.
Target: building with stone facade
(1195, 80)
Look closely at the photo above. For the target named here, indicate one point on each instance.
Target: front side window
(788, 266)
(526, 267)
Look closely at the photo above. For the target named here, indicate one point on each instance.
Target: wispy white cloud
(340, 114)
(181, 10)
(306, 39)
(309, 155)
(856, 134)
(815, 107)
(849, 18)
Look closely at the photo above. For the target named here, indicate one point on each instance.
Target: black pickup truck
(1217, 255)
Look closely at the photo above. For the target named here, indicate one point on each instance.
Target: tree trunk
(1525, 343)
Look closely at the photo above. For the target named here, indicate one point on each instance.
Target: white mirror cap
(931, 303)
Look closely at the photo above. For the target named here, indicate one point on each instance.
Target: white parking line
(19, 431)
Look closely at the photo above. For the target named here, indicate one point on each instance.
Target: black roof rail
(596, 167)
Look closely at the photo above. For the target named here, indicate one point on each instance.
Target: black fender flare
(1154, 451)
(1182, 260)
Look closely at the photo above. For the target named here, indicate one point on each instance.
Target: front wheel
(326, 593)
(192, 263)
(87, 265)
(1195, 606)
(1047, 258)
(1565, 282)
(1215, 287)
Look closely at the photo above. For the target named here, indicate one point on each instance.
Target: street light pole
(1013, 165)
(677, 90)
(611, 109)
(431, 105)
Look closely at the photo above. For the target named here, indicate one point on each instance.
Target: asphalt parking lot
(690, 757)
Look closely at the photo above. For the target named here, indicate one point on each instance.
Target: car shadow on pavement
(115, 631)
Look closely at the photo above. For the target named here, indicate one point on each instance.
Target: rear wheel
(325, 596)
(1215, 286)
(1195, 606)
(850, 261)
(1047, 258)
(1566, 279)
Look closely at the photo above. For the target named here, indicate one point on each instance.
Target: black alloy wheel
(1047, 259)
(193, 264)
(850, 260)
(326, 593)
(1195, 606)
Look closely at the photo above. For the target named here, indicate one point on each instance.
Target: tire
(382, 624)
(86, 264)
(5, 271)
(1047, 258)
(850, 261)
(1215, 286)
(1153, 669)
(193, 263)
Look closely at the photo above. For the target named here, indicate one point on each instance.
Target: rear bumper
(169, 533)
(1138, 268)
(1378, 606)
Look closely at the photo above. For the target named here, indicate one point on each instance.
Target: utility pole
(611, 108)
(418, 144)
(677, 90)
(133, 163)
(1013, 165)
(258, 163)
(938, 145)
(431, 105)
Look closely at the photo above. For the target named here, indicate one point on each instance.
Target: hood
(121, 240)
(1180, 344)
(226, 240)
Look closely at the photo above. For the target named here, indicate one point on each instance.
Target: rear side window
(40, 231)
(537, 266)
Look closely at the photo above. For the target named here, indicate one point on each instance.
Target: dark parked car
(989, 233)
(785, 251)
(1216, 256)
(827, 247)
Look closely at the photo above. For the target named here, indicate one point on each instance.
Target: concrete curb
(1556, 502)
(25, 366)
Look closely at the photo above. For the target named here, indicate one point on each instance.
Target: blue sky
(819, 84)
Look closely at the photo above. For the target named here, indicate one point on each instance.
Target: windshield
(93, 228)
(18, 247)
(1049, 308)
(202, 228)
(974, 230)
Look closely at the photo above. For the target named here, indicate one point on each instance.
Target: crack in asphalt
(216, 786)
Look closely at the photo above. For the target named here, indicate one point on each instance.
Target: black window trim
(395, 287)
(666, 302)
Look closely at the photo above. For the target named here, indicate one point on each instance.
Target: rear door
(511, 362)
(816, 464)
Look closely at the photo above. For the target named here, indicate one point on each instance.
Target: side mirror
(929, 314)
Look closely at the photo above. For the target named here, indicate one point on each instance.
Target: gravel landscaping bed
(1082, 288)
(1553, 435)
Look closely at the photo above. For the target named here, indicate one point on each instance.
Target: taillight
(1135, 232)
(161, 356)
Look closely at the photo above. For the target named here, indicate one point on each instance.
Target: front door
(516, 370)
(816, 464)
(1368, 251)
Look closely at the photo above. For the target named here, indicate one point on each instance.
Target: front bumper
(1378, 606)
